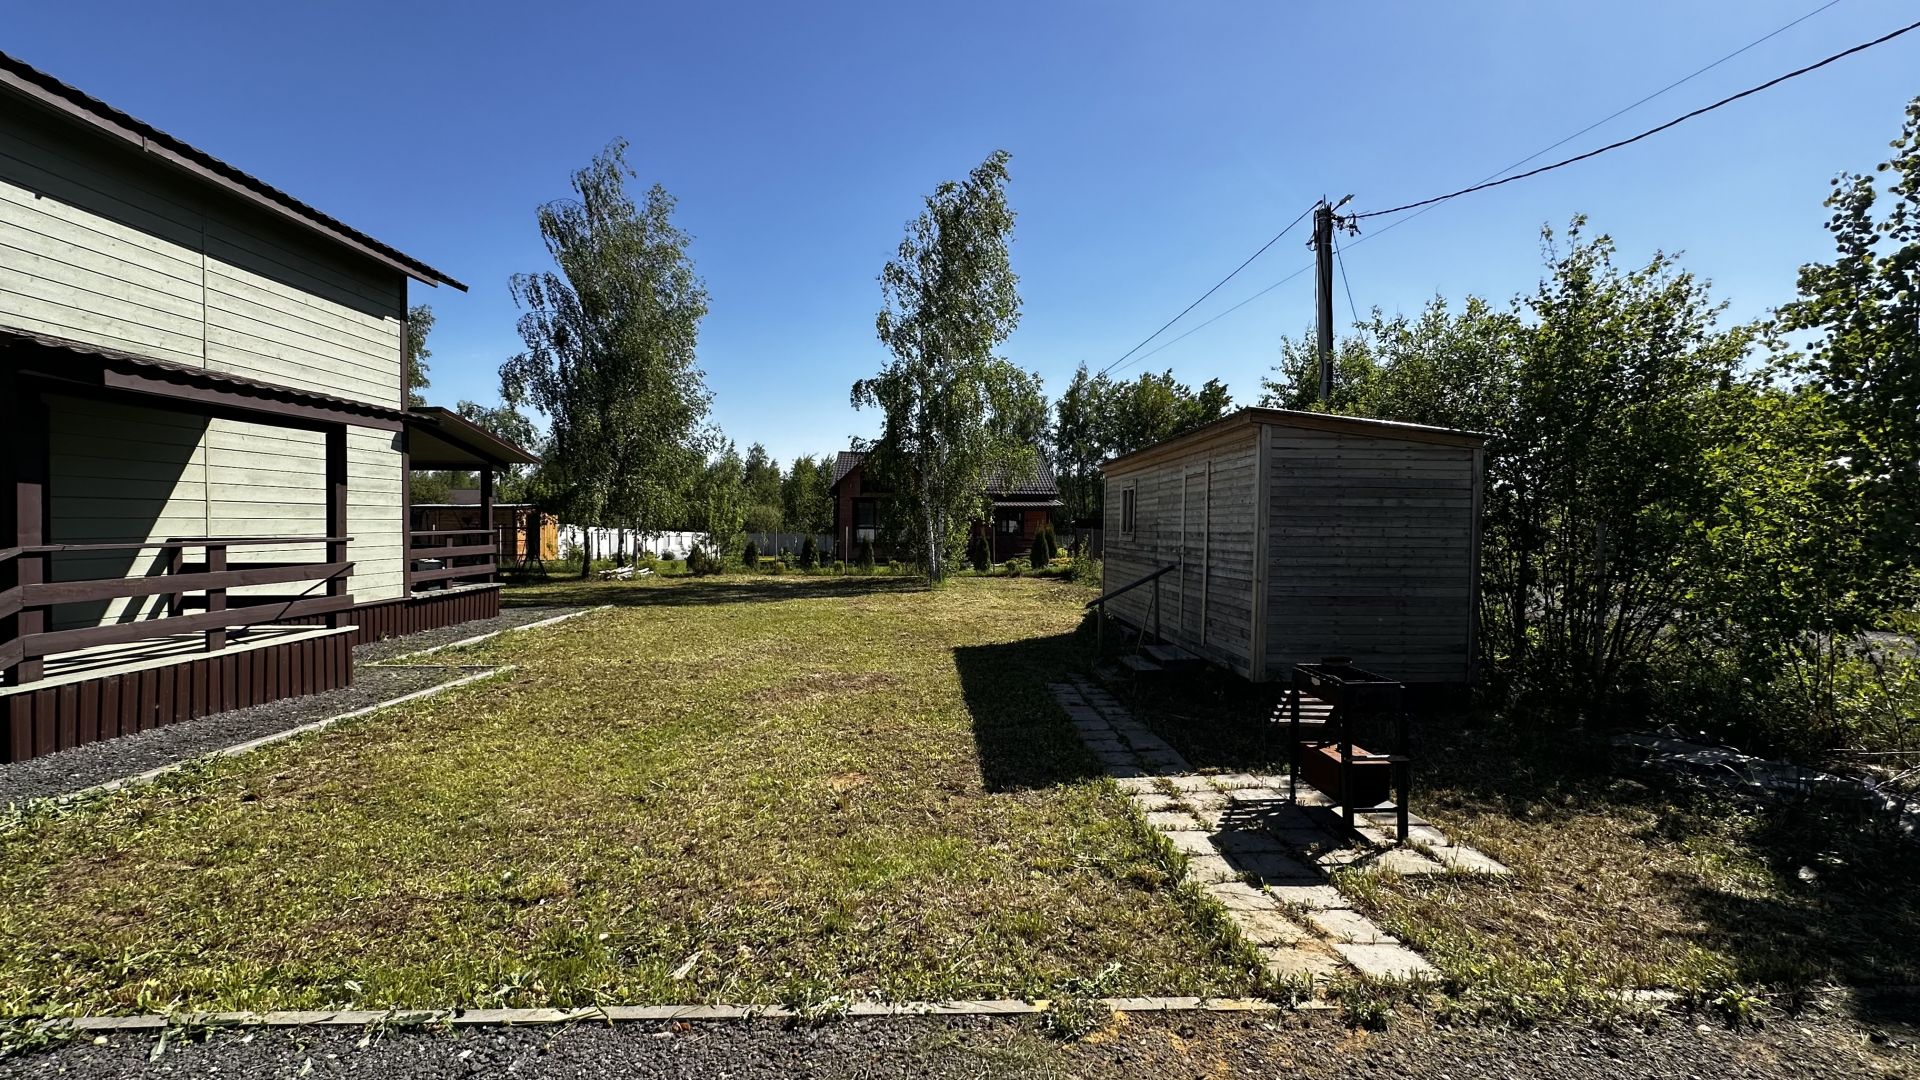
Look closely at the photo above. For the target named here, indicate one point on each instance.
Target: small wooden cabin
(1294, 536)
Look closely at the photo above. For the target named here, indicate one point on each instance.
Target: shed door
(1196, 493)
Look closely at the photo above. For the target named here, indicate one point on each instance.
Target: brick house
(1023, 502)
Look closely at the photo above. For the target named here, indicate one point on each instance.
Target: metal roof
(845, 462)
(439, 438)
(185, 373)
(1363, 426)
(26, 81)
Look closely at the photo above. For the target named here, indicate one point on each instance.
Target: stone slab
(1349, 927)
(1170, 821)
(1276, 868)
(1309, 897)
(1294, 962)
(1269, 928)
(1192, 843)
(1206, 869)
(1239, 896)
(1387, 962)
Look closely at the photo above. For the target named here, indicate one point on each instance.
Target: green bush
(777, 566)
(863, 556)
(979, 554)
(809, 554)
(750, 556)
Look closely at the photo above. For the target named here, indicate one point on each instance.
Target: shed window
(1126, 510)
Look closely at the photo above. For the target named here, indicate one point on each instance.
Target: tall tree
(512, 425)
(1864, 312)
(718, 505)
(1079, 442)
(610, 358)
(950, 298)
(419, 325)
(803, 497)
(760, 475)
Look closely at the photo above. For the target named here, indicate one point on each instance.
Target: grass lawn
(1619, 883)
(743, 789)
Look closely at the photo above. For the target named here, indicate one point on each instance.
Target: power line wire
(1216, 288)
(1353, 310)
(1676, 121)
(1615, 115)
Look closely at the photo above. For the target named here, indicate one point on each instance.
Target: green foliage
(750, 556)
(803, 495)
(952, 409)
(863, 555)
(510, 424)
(979, 552)
(1046, 546)
(1086, 569)
(718, 503)
(419, 325)
(1072, 1018)
(701, 562)
(1864, 308)
(610, 336)
(1098, 418)
(809, 553)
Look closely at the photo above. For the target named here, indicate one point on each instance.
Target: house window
(1009, 525)
(865, 520)
(1126, 511)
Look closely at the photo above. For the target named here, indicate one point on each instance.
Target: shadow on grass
(1021, 733)
(684, 592)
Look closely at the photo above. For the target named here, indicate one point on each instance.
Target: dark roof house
(1023, 502)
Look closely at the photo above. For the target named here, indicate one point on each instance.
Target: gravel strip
(1314, 1047)
(130, 755)
(376, 651)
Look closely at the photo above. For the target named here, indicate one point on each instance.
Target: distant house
(1023, 502)
(1276, 538)
(204, 411)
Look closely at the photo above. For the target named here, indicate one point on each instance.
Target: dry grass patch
(670, 801)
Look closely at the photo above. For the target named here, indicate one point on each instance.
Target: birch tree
(950, 299)
(610, 336)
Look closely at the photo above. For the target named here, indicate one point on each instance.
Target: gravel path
(1313, 1047)
(375, 651)
(97, 763)
(131, 755)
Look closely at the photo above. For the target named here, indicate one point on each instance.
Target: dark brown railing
(25, 603)
(460, 555)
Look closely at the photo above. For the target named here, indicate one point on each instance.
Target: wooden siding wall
(101, 244)
(1194, 509)
(1370, 554)
(120, 473)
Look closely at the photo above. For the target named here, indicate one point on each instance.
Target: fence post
(216, 595)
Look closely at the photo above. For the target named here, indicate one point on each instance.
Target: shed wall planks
(1311, 543)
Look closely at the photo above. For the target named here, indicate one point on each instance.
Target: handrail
(1104, 597)
(236, 541)
(419, 533)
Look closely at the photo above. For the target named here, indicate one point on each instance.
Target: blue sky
(1154, 146)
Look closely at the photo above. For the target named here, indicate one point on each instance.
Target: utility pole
(1323, 293)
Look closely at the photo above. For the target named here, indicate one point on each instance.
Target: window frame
(1129, 509)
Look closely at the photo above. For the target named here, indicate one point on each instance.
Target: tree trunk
(586, 551)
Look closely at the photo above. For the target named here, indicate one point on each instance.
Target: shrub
(978, 553)
(863, 556)
(809, 554)
(777, 566)
(750, 555)
(700, 564)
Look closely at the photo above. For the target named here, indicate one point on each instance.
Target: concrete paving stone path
(1264, 858)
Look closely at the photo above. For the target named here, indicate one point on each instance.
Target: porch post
(336, 495)
(24, 414)
(486, 515)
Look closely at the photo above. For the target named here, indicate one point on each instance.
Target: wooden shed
(1290, 536)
